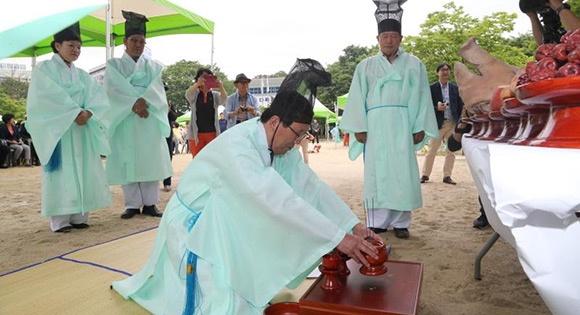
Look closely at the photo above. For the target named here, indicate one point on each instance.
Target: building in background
(15, 71)
(265, 89)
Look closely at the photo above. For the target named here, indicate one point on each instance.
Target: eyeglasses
(299, 136)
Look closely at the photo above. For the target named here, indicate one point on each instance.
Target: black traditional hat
(73, 32)
(389, 15)
(305, 77)
(134, 24)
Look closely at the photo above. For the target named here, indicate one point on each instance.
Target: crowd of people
(200, 262)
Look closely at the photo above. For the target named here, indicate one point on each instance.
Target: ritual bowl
(283, 308)
(377, 266)
(331, 261)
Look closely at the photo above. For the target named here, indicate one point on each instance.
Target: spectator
(171, 117)
(10, 133)
(27, 138)
(454, 144)
(241, 105)
(389, 112)
(303, 145)
(223, 123)
(4, 153)
(204, 101)
(447, 107)
(176, 132)
(557, 17)
(315, 131)
(247, 189)
(65, 110)
(138, 123)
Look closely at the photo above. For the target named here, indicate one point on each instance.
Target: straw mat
(79, 282)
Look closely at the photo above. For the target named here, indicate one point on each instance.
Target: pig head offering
(476, 90)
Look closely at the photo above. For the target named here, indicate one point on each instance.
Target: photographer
(554, 14)
(241, 105)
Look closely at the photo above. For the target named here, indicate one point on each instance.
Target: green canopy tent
(19, 38)
(184, 118)
(341, 101)
(321, 111)
(165, 18)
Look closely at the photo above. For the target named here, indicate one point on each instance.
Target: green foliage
(181, 75)
(15, 89)
(342, 72)
(12, 106)
(444, 32)
(575, 5)
(279, 74)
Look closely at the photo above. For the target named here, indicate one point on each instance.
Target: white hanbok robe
(260, 228)
(56, 95)
(138, 145)
(390, 102)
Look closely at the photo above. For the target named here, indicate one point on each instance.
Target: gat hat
(290, 106)
(242, 77)
(73, 32)
(134, 24)
(389, 14)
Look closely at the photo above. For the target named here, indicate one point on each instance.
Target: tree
(181, 75)
(444, 32)
(342, 72)
(12, 106)
(441, 37)
(15, 89)
(279, 74)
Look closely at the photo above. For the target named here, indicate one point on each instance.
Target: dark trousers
(170, 145)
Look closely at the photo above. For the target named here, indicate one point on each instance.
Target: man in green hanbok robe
(248, 218)
(65, 109)
(138, 123)
(389, 111)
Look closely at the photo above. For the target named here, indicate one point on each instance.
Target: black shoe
(424, 179)
(401, 233)
(129, 213)
(448, 180)
(377, 230)
(65, 229)
(80, 226)
(480, 223)
(152, 211)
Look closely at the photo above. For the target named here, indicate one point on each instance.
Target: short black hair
(443, 64)
(200, 71)
(6, 118)
(290, 106)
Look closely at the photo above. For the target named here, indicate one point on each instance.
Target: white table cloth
(530, 196)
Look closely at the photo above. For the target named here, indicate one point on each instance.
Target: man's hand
(361, 137)
(355, 246)
(365, 232)
(418, 137)
(441, 106)
(140, 108)
(83, 117)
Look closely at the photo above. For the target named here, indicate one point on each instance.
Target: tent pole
(108, 30)
(212, 48)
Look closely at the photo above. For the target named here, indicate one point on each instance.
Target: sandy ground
(442, 237)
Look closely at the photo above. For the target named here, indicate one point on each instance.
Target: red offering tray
(480, 123)
(556, 92)
(282, 308)
(562, 129)
(395, 292)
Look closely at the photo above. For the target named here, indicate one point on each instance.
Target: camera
(552, 25)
